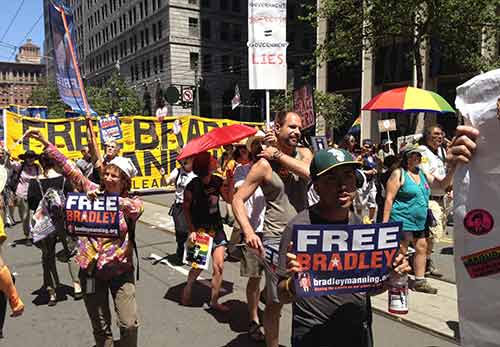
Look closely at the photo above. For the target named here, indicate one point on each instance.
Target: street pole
(197, 95)
(268, 108)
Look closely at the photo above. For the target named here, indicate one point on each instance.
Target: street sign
(387, 125)
(187, 95)
(172, 95)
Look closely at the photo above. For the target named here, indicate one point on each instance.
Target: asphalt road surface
(163, 321)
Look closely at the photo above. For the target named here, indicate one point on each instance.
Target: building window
(146, 34)
(193, 27)
(224, 31)
(237, 32)
(142, 38)
(224, 4)
(205, 29)
(236, 6)
(160, 61)
(159, 30)
(225, 63)
(154, 32)
(132, 72)
(154, 5)
(207, 63)
(155, 65)
(205, 3)
(143, 66)
(141, 11)
(136, 70)
(193, 2)
(146, 7)
(135, 14)
(193, 60)
(148, 69)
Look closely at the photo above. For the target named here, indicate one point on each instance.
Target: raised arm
(298, 167)
(69, 169)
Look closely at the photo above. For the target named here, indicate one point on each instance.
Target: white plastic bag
(477, 216)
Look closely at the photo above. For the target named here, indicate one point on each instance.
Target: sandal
(255, 332)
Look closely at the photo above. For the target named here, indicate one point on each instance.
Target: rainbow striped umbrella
(408, 99)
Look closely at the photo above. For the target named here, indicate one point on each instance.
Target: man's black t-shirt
(333, 320)
(205, 203)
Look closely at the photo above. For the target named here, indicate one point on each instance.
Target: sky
(29, 12)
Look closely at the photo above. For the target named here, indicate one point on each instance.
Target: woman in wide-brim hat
(106, 265)
(22, 173)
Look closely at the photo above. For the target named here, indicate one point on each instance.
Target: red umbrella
(216, 138)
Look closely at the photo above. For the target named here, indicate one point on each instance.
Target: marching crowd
(261, 186)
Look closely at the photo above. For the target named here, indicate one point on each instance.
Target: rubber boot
(8, 288)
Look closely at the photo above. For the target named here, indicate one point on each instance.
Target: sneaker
(423, 286)
(431, 270)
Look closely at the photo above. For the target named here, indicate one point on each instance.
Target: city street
(163, 321)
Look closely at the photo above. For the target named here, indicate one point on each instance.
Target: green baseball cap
(325, 160)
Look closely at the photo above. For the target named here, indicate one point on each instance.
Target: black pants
(181, 228)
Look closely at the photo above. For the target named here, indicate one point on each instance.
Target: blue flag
(66, 72)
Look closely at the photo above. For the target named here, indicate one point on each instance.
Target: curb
(416, 325)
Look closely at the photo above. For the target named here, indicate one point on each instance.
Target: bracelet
(277, 154)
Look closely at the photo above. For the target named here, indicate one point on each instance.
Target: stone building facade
(179, 43)
(17, 79)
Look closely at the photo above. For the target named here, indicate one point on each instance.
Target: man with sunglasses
(181, 178)
(434, 163)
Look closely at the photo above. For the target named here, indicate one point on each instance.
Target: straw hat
(260, 135)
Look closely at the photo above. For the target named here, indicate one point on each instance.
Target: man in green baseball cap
(332, 320)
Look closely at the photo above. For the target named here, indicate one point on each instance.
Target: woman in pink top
(106, 265)
(22, 174)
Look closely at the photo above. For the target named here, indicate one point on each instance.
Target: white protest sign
(267, 44)
(477, 216)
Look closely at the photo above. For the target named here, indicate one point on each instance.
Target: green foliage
(115, 96)
(48, 95)
(334, 108)
(455, 26)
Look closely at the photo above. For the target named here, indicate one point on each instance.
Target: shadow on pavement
(42, 296)
(453, 325)
(242, 340)
(201, 292)
(447, 251)
(236, 317)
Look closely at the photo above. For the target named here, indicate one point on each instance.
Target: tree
(334, 108)
(115, 96)
(48, 95)
(457, 27)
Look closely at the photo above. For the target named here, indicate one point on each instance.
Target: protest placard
(93, 218)
(197, 254)
(110, 129)
(340, 259)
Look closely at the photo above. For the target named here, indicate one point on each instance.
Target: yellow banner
(150, 144)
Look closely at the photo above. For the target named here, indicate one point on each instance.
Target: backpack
(49, 215)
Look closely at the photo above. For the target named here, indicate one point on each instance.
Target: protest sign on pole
(62, 29)
(110, 128)
(303, 105)
(476, 191)
(93, 218)
(339, 259)
(267, 67)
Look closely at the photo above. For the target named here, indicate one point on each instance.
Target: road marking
(179, 269)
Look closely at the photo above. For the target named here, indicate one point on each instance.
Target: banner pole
(268, 108)
(82, 89)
